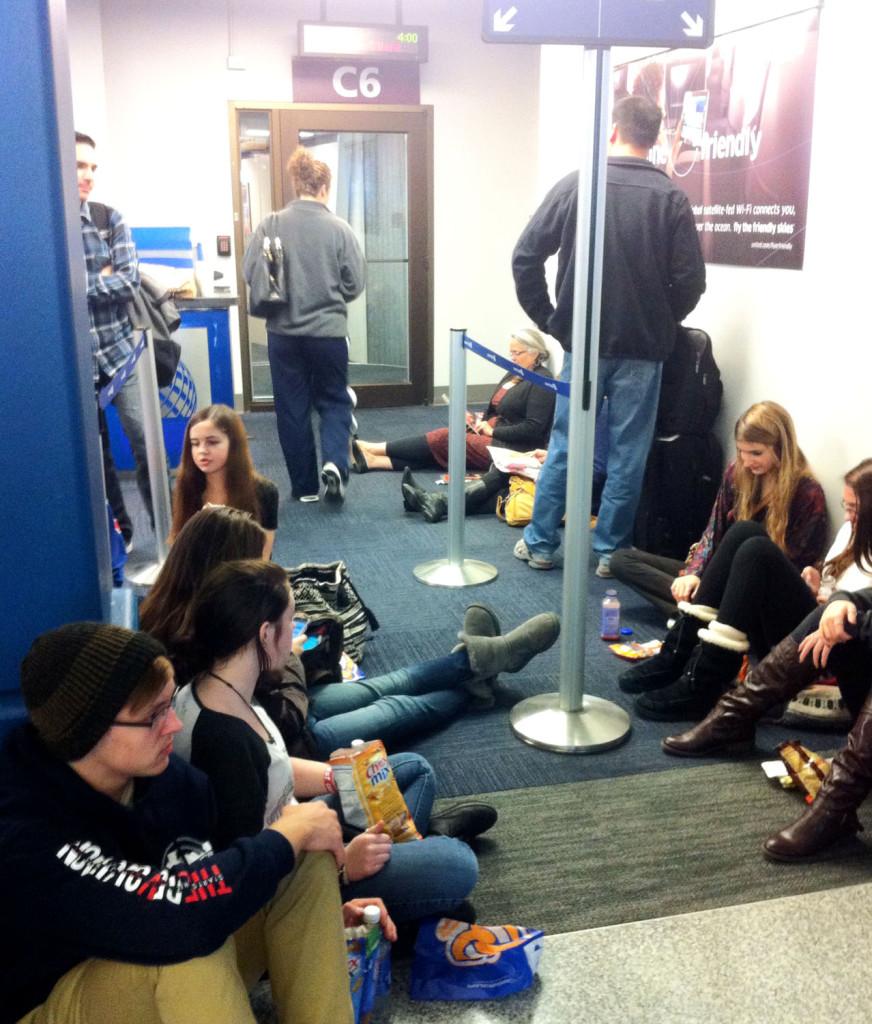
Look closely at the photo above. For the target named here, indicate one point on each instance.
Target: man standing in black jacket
(653, 276)
(116, 907)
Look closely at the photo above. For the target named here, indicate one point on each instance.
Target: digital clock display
(385, 42)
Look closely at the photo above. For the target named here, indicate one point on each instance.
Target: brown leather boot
(833, 815)
(730, 726)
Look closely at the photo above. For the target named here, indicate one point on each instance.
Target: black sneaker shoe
(333, 482)
(463, 821)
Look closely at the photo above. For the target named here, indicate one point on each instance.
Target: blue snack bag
(456, 960)
(355, 948)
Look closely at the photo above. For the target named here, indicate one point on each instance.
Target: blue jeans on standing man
(633, 389)
(310, 372)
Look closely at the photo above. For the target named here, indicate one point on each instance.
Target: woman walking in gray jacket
(308, 348)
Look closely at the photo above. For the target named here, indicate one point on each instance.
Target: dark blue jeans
(406, 702)
(310, 373)
(430, 876)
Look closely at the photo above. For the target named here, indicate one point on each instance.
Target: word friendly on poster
(736, 136)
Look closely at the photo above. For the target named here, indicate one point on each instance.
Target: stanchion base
(599, 725)
(439, 572)
(144, 575)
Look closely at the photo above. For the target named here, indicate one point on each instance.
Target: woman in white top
(242, 629)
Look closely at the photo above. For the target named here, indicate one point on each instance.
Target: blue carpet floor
(382, 544)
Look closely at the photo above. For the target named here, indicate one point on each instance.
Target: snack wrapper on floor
(806, 768)
(456, 960)
(369, 792)
(633, 651)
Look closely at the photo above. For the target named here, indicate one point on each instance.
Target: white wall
(801, 338)
(164, 128)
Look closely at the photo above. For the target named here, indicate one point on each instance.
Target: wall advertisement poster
(737, 135)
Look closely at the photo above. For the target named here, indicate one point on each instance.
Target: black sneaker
(463, 821)
(333, 482)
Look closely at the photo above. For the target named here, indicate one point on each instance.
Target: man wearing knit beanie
(116, 907)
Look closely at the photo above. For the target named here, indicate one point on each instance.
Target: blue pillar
(54, 555)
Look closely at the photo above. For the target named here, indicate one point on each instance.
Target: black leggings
(850, 663)
(755, 587)
(482, 495)
(413, 452)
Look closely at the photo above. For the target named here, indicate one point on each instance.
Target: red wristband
(329, 781)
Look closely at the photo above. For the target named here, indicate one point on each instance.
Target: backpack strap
(101, 214)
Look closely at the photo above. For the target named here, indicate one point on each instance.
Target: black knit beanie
(77, 678)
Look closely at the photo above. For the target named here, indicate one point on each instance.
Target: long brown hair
(239, 474)
(769, 423)
(859, 548)
(234, 601)
(210, 537)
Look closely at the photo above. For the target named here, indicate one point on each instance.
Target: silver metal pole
(456, 448)
(157, 463)
(569, 721)
(456, 571)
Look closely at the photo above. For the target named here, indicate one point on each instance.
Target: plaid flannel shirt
(108, 294)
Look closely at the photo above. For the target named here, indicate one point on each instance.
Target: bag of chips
(806, 768)
(369, 792)
(457, 960)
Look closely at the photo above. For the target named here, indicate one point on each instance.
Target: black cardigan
(524, 415)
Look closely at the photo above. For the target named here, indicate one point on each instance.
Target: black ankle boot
(667, 665)
(434, 507)
(710, 671)
(411, 492)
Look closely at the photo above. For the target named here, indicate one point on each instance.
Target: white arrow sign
(503, 22)
(694, 28)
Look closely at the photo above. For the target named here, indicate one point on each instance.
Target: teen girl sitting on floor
(242, 627)
(768, 482)
(315, 722)
(216, 469)
(750, 596)
(518, 416)
(394, 707)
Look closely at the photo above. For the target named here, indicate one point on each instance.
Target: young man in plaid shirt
(113, 278)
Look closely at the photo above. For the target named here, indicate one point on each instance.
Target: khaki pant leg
(205, 990)
(299, 938)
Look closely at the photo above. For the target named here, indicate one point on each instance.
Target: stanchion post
(157, 461)
(456, 571)
(569, 721)
(456, 447)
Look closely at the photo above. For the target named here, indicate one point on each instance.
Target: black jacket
(525, 414)
(653, 270)
(88, 877)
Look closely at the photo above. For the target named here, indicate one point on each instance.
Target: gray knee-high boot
(490, 655)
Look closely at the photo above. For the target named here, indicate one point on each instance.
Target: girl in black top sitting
(216, 469)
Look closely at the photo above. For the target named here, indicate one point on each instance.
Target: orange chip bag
(806, 768)
(369, 792)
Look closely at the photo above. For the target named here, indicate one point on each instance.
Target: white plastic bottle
(610, 616)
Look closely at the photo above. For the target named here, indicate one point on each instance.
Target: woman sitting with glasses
(750, 596)
(518, 416)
